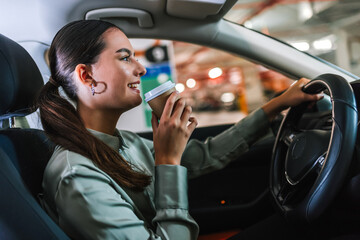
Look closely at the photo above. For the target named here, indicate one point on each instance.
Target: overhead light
(190, 83)
(180, 87)
(302, 46)
(162, 77)
(323, 44)
(227, 97)
(215, 72)
(248, 24)
(235, 76)
(305, 11)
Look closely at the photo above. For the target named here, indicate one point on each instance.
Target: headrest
(20, 80)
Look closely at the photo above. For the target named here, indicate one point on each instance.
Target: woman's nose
(140, 70)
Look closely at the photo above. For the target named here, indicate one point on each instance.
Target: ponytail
(64, 127)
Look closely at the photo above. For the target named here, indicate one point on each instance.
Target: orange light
(222, 202)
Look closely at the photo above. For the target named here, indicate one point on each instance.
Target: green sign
(155, 75)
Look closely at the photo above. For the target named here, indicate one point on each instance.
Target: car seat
(24, 153)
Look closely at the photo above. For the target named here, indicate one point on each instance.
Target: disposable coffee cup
(157, 97)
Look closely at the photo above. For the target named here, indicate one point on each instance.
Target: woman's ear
(83, 74)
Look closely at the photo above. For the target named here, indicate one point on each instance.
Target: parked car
(307, 167)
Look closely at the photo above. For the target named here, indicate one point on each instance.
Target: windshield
(327, 29)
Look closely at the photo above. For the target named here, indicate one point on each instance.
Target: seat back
(29, 151)
(21, 217)
(24, 153)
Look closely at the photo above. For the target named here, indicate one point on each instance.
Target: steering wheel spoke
(288, 135)
(286, 192)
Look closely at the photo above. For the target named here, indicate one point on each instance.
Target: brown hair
(80, 42)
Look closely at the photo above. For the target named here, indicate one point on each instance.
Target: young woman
(102, 183)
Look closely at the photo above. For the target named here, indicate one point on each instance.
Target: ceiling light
(324, 44)
(227, 97)
(215, 72)
(305, 11)
(162, 77)
(180, 87)
(190, 83)
(302, 46)
(235, 76)
(248, 24)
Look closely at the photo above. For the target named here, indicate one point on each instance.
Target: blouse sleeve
(216, 152)
(171, 202)
(90, 208)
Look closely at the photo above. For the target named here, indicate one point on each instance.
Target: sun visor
(194, 9)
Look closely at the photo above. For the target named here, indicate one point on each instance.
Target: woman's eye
(127, 59)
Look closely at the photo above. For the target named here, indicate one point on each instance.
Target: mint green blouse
(88, 204)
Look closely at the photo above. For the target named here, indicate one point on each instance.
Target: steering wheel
(309, 166)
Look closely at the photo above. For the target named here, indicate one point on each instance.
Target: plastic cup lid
(159, 90)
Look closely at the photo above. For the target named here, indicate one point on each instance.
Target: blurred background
(223, 88)
(325, 28)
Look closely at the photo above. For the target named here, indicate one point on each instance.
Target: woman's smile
(134, 87)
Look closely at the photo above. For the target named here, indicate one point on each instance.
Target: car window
(222, 88)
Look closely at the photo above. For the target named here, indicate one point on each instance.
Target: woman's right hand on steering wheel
(173, 131)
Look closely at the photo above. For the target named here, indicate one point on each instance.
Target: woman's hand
(293, 96)
(172, 133)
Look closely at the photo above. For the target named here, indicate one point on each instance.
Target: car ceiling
(41, 19)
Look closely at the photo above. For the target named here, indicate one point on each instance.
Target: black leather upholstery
(21, 216)
(24, 153)
(29, 150)
(19, 77)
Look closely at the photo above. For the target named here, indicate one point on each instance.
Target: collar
(121, 138)
(115, 141)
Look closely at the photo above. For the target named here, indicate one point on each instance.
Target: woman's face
(118, 68)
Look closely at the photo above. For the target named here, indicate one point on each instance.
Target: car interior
(230, 199)
(25, 152)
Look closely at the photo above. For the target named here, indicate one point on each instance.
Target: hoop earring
(94, 84)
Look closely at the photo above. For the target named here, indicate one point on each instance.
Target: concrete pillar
(342, 53)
